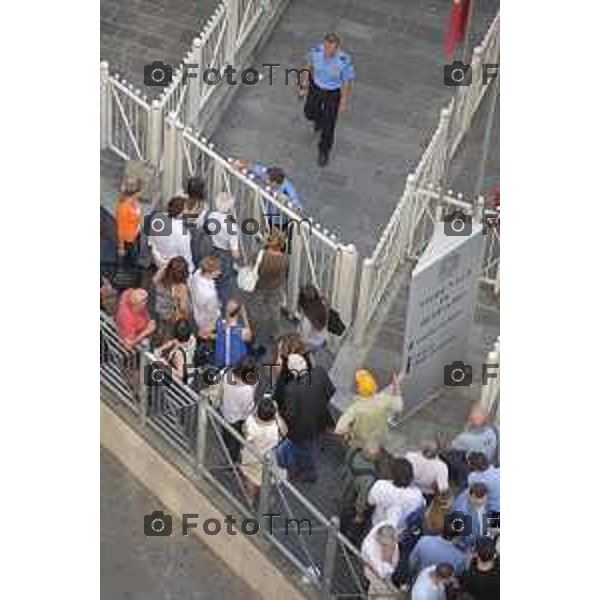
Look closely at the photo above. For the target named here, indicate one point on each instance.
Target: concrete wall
(179, 495)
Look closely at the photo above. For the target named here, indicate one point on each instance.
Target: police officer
(326, 81)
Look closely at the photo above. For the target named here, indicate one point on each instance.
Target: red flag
(457, 28)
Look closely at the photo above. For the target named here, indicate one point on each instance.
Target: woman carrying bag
(265, 296)
(171, 297)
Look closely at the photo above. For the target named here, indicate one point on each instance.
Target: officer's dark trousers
(322, 107)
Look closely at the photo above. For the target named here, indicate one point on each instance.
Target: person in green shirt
(366, 419)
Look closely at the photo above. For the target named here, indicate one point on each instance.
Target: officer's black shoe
(316, 127)
(323, 158)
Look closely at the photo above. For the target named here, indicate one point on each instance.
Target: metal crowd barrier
(316, 254)
(132, 126)
(185, 422)
(409, 229)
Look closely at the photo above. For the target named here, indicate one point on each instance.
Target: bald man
(478, 436)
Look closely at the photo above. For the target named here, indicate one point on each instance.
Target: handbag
(247, 277)
(335, 325)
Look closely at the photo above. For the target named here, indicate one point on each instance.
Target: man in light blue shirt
(276, 179)
(488, 475)
(435, 549)
(278, 182)
(331, 71)
(471, 504)
(432, 582)
(478, 436)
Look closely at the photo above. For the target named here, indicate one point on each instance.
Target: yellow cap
(365, 383)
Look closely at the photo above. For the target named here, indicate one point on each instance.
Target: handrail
(149, 409)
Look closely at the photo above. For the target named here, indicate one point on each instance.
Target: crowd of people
(427, 521)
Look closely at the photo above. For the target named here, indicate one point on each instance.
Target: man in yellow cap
(366, 419)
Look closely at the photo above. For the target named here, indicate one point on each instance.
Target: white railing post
(479, 211)
(345, 282)
(442, 159)
(363, 310)
(154, 133)
(491, 388)
(297, 242)
(473, 93)
(193, 83)
(168, 150)
(104, 105)
(410, 188)
(497, 281)
(233, 25)
(172, 158)
(178, 159)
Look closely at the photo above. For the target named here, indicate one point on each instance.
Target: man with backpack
(361, 471)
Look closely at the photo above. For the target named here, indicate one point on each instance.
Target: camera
(157, 74)
(157, 524)
(457, 74)
(458, 374)
(157, 224)
(457, 523)
(157, 373)
(457, 223)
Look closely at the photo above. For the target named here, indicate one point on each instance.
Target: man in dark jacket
(305, 411)
(482, 580)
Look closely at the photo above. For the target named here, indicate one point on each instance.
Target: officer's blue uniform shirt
(330, 73)
(286, 187)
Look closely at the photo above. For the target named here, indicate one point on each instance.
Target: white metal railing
(124, 117)
(469, 97)
(490, 390)
(411, 224)
(316, 255)
(183, 420)
(133, 127)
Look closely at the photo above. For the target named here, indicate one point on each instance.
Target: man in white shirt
(168, 235)
(431, 473)
(394, 500)
(431, 582)
(205, 301)
(220, 225)
(380, 551)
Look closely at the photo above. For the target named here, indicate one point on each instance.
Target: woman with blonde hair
(441, 505)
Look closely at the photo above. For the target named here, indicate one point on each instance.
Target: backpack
(348, 489)
(354, 531)
(200, 242)
(229, 345)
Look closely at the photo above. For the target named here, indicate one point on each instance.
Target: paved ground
(136, 567)
(134, 33)
(380, 140)
(397, 46)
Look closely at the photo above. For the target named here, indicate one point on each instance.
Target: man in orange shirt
(128, 216)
